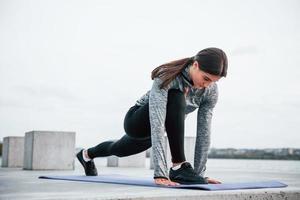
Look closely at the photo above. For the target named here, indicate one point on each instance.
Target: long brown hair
(211, 60)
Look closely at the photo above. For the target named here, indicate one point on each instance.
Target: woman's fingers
(166, 182)
(213, 181)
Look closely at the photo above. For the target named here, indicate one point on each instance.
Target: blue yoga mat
(129, 180)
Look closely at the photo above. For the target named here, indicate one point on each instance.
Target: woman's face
(200, 78)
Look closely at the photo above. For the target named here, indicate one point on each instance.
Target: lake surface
(246, 165)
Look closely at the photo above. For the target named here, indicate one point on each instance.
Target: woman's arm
(204, 117)
(157, 113)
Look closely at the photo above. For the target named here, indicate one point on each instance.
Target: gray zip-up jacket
(204, 99)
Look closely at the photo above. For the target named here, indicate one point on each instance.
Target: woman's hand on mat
(212, 181)
(166, 182)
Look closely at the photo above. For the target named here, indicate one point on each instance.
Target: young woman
(179, 87)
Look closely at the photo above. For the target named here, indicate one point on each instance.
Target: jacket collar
(186, 76)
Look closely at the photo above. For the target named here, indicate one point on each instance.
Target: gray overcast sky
(80, 65)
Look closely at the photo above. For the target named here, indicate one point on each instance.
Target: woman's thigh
(137, 123)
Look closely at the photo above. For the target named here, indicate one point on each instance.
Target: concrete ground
(22, 184)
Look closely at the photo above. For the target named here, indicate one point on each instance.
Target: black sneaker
(89, 167)
(186, 175)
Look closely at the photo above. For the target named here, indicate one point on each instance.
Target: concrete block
(49, 150)
(189, 151)
(12, 151)
(189, 148)
(148, 152)
(137, 160)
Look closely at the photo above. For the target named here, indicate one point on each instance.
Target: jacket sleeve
(157, 113)
(204, 117)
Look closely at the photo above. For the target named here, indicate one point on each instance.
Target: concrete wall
(13, 151)
(189, 148)
(49, 150)
(137, 160)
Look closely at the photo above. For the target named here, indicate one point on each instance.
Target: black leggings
(138, 132)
